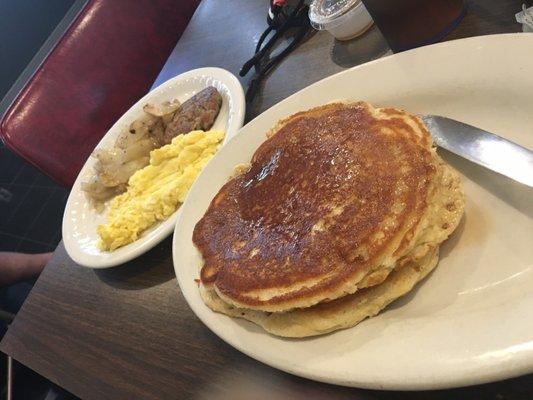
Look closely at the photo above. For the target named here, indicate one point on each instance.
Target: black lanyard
(282, 18)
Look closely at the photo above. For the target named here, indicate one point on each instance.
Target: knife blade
(482, 147)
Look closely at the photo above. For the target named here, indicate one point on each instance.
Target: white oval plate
(80, 219)
(470, 321)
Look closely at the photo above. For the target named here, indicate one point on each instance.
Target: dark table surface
(127, 332)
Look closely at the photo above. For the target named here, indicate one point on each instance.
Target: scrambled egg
(155, 191)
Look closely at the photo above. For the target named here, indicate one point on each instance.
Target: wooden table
(127, 332)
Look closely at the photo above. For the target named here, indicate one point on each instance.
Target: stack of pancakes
(341, 211)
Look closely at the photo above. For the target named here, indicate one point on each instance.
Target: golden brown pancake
(331, 201)
(443, 217)
(341, 313)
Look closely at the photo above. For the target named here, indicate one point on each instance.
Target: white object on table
(470, 321)
(525, 17)
(344, 19)
(80, 219)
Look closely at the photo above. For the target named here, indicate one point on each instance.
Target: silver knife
(482, 147)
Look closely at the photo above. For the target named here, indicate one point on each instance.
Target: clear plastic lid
(325, 13)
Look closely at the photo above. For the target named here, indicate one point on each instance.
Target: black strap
(297, 18)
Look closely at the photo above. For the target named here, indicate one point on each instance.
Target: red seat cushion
(106, 61)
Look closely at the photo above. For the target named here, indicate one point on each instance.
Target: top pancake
(336, 194)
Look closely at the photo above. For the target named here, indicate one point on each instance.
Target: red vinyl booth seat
(108, 58)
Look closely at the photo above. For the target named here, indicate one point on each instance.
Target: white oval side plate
(80, 219)
(470, 321)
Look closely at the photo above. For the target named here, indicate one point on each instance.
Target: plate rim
(146, 243)
(470, 376)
